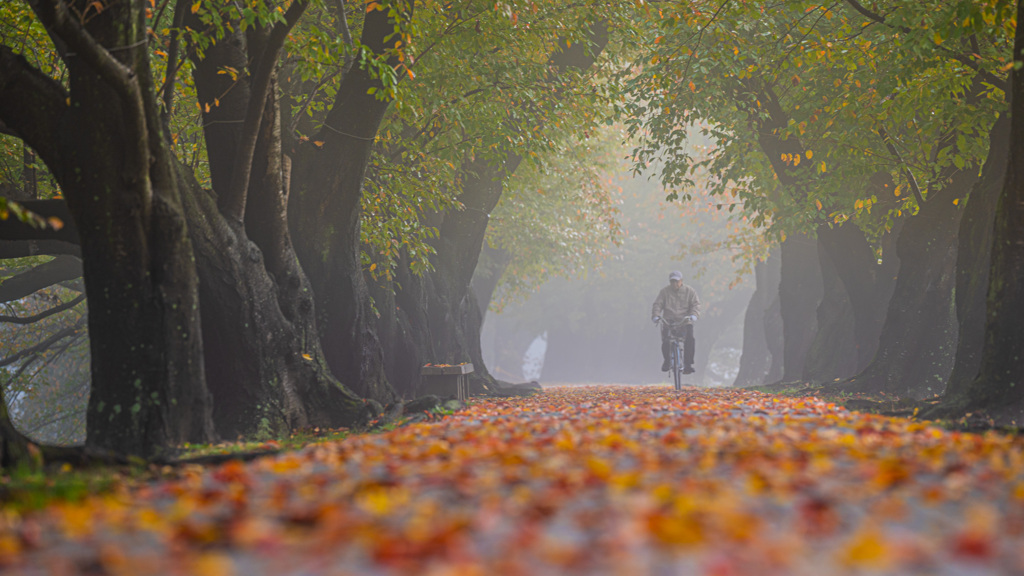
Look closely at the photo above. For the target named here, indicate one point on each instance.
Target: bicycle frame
(676, 359)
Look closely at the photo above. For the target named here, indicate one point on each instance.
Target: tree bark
(867, 283)
(998, 391)
(111, 159)
(324, 216)
(800, 291)
(833, 352)
(918, 340)
(264, 364)
(973, 262)
(756, 359)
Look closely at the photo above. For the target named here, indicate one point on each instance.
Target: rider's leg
(689, 345)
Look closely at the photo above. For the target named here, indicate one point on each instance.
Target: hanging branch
(961, 58)
(45, 314)
(42, 346)
(172, 62)
(903, 165)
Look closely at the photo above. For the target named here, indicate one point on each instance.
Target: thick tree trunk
(714, 321)
(115, 169)
(488, 274)
(14, 447)
(756, 359)
(324, 217)
(833, 352)
(998, 391)
(265, 369)
(800, 291)
(264, 364)
(918, 340)
(438, 320)
(867, 283)
(973, 261)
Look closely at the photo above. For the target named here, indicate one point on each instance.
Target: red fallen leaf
(974, 545)
(817, 517)
(233, 471)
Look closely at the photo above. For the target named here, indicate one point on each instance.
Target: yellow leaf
(195, 7)
(956, 201)
(307, 356)
(809, 154)
(692, 87)
(373, 267)
(866, 549)
(937, 37)
(818, 204)
(214, 564)
(318, 143)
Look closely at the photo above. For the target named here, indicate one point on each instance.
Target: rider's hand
(656, 319)
(692, 318)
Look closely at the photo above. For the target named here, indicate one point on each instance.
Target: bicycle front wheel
(677, 369)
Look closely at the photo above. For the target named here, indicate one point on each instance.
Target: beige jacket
(675, 304)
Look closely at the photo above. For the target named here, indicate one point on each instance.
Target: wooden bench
(438, 380)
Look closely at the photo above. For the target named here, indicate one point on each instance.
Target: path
(591, 480)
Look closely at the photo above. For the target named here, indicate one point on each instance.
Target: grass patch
(294, 441)
(31, 487)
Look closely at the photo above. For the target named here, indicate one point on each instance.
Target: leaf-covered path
(587, 480)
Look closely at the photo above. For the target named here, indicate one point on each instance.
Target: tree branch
(42, 346)
(57, 270)
(961, 58)
(172, 62)
(44, 314)
(906, 170)
(31, 104)
(57, 17)
(26, 248)
(232, 204)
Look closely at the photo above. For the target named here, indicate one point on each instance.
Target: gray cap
(675, 275)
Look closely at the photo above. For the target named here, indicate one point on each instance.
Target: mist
(594, 325)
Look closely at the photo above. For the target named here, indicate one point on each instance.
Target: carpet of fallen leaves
(583, 480)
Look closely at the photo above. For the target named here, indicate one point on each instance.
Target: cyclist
(677, 304)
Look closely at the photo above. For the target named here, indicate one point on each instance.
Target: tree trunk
(264, 366)
(265, 370)
(918, 340)
(998, 391)
(800, 291)
(973, 261)
(116, 171)
(714, 321)
(867, 283)
(756, 359)
(833, 352)
(324, 217)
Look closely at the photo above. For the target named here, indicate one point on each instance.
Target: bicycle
(676, 340)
